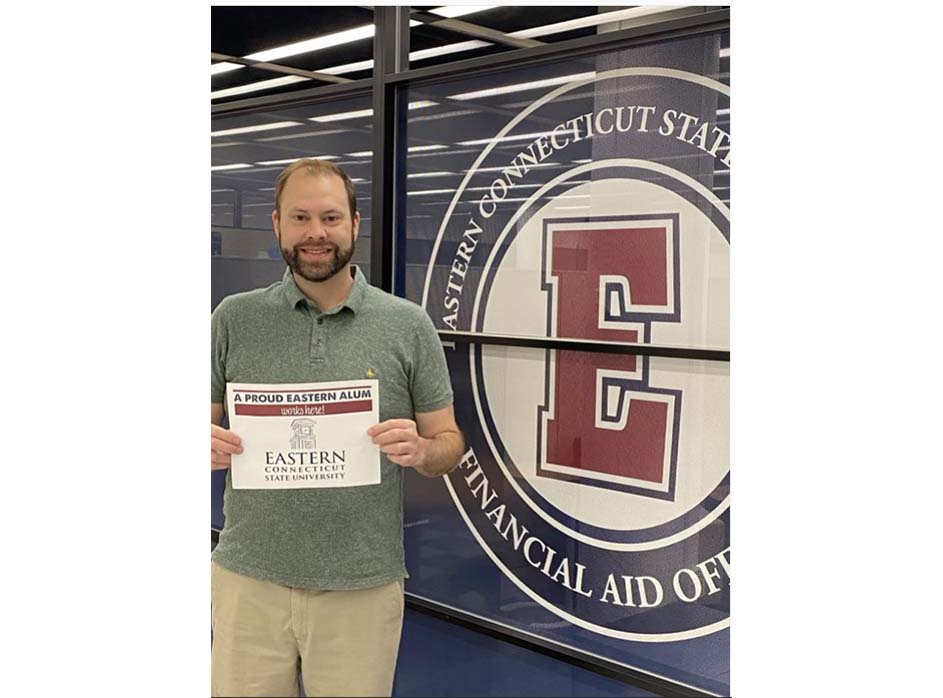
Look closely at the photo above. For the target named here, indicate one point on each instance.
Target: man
(311, 580)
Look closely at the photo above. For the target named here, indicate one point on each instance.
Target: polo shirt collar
(354, 300)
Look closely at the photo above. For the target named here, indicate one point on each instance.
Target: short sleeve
(430, 385)
(220, 345)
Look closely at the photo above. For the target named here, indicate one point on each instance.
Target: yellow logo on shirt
(371, 373)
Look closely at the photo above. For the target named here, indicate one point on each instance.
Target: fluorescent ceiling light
(421, 148)
(516, 186)
(217, 68)
(431, 174)
(289, 160)
(315, 44)
(252, 129)
(545, 30)
(582, 161)
(723, 111)
(423, 192)
(447, 49)
(416, 56)
(366, 112)
(501, 169)
(519, 137)
(725, 53)
(310, 134)
(591, 21)
(356, 34)
(451, 11)
(561, 196)
(519, 87)
(343, 115)
(445, 115)
(256, 86)
(348, 68)
(361, 154)
(236, 166)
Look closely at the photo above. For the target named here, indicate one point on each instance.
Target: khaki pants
(343, 643)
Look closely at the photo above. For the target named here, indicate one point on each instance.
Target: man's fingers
(225, 435)
(221, 446)
(394, 435)
(391, 424)
(405, 461)
(400, 448)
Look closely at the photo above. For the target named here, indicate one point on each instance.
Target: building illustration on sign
(303, 434)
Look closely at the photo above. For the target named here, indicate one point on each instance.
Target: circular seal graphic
(598, 483)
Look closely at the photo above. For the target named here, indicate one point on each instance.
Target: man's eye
(332, 219)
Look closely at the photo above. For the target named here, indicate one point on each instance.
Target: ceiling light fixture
(235, 166)
(343, 115)
(501, 169)
(591, 21)
(421, 148)
(253, 129)
(289, 160)
(452, 11)
(366, 112)
(315, 44)
(424, 192)
(256, 86)
(416, 56)
(520, 87)
(519, 137)
(224, 67)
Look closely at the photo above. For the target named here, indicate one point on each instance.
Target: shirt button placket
(318, 341)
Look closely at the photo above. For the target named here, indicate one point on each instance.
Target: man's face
(314, 229)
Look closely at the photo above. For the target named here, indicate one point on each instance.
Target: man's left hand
(400, 441)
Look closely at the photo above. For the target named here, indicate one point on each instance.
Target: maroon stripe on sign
(312, 410)
(303, 392)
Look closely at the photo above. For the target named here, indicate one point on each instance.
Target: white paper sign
(304, 435)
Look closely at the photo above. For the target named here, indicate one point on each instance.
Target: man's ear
(275, 224)
(356, 225)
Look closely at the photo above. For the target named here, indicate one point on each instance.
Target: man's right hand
(223, 444)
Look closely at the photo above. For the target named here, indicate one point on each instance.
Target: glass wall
(249, 151)
(585, 198)
(636, 139)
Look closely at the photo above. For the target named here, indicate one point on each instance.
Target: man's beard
(318, 271)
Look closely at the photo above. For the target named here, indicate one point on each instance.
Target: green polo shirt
(330, 538)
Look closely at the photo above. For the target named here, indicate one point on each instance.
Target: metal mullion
(699, 23)
(390, 55)
(559, 343)
(354, 88)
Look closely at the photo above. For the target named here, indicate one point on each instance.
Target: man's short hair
(315, 167)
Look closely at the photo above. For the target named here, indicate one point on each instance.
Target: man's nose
(316, 230)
